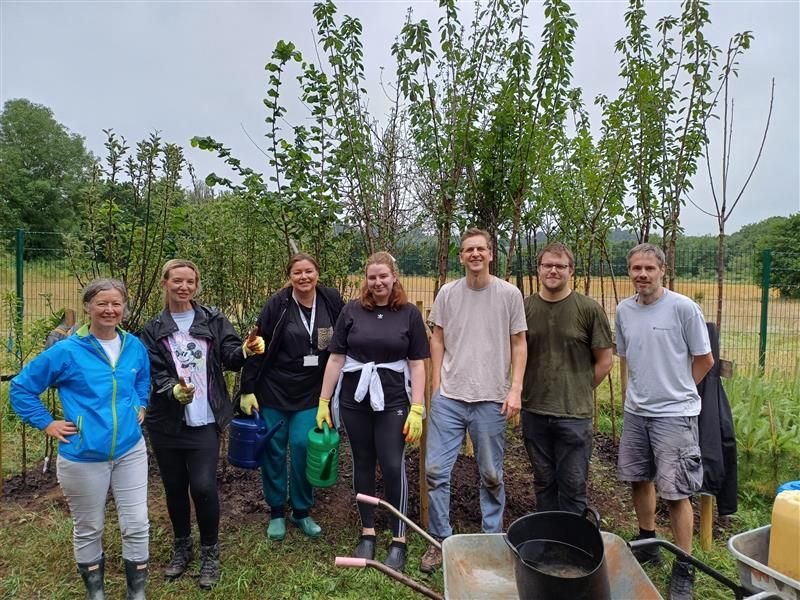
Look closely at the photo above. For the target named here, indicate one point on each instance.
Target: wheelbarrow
(481, 566)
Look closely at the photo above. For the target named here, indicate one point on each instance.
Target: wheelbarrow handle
(738, 590)
(347, 561)
(364, 499)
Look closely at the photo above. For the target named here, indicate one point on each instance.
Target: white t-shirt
(112, 348)
(190, 354)
(477, 327)
(658, 342)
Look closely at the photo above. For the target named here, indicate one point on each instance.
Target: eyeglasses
(550, 266)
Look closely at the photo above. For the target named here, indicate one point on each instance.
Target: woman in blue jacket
(102, 374)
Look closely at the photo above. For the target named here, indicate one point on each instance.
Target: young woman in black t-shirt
(379, 340)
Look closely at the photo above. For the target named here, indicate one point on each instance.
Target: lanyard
(309, 325)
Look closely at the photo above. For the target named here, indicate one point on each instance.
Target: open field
(50, 287)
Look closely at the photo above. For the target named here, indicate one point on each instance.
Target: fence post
(20, 268)
(766, 266)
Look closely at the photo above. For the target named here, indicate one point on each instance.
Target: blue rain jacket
(101, 399)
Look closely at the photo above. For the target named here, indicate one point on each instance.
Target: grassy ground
(36, 550)
(37, 563)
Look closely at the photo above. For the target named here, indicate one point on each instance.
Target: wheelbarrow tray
(751, 551)
(481, 567)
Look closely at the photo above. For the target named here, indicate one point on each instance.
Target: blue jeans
(294, 434)
(447, 423)
(559, 449)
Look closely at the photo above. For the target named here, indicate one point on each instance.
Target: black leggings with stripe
(377, 438)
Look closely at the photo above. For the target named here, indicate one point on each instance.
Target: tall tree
(42, 166)
(725, 199)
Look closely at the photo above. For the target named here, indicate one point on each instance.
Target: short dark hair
(648, 249)
(474, 231)
(556, 248)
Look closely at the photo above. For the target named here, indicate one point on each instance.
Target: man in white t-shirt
(664, 351)
(478, 353)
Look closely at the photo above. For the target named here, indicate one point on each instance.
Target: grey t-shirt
(477, 325)
(658, 341)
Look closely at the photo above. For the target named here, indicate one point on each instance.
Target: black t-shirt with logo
(291, 386)
(380, 336)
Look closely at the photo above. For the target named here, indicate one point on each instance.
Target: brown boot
(431, 560)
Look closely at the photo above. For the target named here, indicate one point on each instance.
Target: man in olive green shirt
(569, 354)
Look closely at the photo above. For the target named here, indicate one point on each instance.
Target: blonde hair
(178, 263)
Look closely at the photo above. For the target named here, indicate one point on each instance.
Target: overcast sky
(197, 68)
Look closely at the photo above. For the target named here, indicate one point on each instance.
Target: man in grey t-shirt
(663, 345)
(478, 353)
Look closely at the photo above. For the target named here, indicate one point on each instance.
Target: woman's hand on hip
(61, 429)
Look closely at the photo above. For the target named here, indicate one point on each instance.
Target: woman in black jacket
(284, 383)
(190, 345)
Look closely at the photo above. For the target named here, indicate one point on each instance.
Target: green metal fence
(760, 325)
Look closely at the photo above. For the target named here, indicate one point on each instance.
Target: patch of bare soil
(242, 500)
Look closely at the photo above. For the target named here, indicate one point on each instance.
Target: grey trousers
(86, 485)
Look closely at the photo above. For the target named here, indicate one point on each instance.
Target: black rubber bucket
(559, 555)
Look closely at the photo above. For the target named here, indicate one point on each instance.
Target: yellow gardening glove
(253, 344)
(413, 427)
(183, 392)
(248, 403)
(324, 413)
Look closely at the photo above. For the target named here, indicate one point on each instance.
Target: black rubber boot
(182, 556)
(92, 575)
(209, 566)
(136, 576)
(396, 558)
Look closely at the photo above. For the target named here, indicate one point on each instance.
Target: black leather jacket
(165, 414)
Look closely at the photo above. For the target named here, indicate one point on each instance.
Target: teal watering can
(322, 456)
(248, 439)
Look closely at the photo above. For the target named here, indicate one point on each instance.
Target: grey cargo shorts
(664, 450)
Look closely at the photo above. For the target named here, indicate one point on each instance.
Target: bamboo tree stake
(423, 441)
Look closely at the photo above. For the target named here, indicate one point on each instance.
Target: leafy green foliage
(784, 240)
(42, 166)
(127, 211)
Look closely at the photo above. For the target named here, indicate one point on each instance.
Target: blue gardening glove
(324, 413)
(248, 403)
(183, 392)
(413, 427)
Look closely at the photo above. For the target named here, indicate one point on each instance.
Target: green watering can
(322, 456)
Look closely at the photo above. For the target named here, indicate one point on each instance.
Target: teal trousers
(293, 434)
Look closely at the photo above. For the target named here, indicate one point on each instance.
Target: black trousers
(190, 467)
(559, 450)
(377, 438)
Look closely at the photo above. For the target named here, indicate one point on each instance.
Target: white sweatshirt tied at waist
(369, 381)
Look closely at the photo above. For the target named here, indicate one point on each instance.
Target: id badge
(311, 360)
